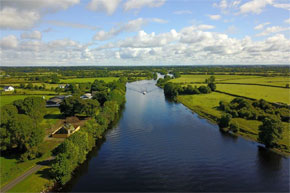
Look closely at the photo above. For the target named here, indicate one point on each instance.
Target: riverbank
(205, 105)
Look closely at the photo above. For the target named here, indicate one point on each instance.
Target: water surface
(159, 145)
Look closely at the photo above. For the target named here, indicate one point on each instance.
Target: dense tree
(204, 89)
(224, 121)
(270, 131)
(171, 90)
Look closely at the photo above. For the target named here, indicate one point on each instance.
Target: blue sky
(144, 32)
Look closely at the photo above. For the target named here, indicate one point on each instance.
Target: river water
(159, 145)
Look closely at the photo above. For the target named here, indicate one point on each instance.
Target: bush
(225, 120)
(204, 89)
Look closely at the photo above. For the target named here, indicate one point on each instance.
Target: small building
(65, 131)
(8, 88)
(61, 86)
(86, 96)
(53, 102)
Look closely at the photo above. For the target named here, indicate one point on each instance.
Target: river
(159, 145)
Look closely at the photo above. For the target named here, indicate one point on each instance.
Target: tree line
(20, 132)
(104, 108)
(272, 117)
(172, 90)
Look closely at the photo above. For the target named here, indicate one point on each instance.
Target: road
(23, 176)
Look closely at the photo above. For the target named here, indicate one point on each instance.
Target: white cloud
(31, 35)
(139, 4)
(71, 24)
(255, 6)
(130, 26)
(261, 26)
(282, 6)
(287, 21)
(227, 6)
(182, 12)
(108, 6)
(205, 27)
(9, 42)
(273, 29)
(214, 17)
(190, 45)
(10, 18)
(24, 14)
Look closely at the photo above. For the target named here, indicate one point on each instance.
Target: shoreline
(213, 119)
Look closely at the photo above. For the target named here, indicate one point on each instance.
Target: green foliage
(270, 131)
(171, 90)
(19, 126)
(224, 121)
(204, 89)
(72, 106)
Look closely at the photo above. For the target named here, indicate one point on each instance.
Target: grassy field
(271, 94)
(11, 167)
(9, 99)
(84, 80)
(206, 106)
(275, 81)
(186, 79)
(244, 79)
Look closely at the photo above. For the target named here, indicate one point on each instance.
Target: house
(54, 102)
(86, 96)
(8, 88)
(65, 131)
(61, 86)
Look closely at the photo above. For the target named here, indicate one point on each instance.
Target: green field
(240, 79)
(271, 94)
(9, 99)
(206, 106)
(85, 80)
(11, 167)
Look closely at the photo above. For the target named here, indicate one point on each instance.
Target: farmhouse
(8, 88)
(65, 131)
(61, 86)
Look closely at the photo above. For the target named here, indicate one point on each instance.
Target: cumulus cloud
(109, 6)
(255, 6)
(9, 42)
(182, 12)
(287, 21)
(15, 14)
(261, 26)
(214, 17)
(138, 4)
(190, 45)
(273, 29)
(130, 26)
(227, 6)
(11, 18)
(31, 35)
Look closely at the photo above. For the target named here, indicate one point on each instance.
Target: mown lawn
(271, 94)
(85, 80)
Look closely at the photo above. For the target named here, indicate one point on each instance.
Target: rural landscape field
(144, 96)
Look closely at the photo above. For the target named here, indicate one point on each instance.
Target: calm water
(162, 146)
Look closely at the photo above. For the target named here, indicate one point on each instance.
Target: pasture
(86, 80)
(271, 94)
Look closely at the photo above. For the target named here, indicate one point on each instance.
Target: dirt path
(23, 176)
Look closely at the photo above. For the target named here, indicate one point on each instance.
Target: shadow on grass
(53, 116)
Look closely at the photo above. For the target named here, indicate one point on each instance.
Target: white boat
(144, 92)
